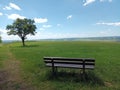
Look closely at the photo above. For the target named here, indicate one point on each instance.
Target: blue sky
(63, 18)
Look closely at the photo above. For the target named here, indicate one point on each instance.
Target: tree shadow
(29, 46)
(87, 78)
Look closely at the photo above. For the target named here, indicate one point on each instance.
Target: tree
(22, 28)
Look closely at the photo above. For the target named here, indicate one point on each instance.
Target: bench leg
(83, 66)
(83, 70)
(53, 70)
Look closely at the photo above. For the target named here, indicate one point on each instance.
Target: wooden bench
(78, 63)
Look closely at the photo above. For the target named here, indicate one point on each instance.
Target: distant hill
(110, 38)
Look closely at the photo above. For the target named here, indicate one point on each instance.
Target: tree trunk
(23, 41)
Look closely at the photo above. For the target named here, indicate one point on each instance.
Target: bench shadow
(88, 77)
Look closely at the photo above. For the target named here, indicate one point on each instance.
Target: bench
(78, 63)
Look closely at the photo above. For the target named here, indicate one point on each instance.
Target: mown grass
(104, 77)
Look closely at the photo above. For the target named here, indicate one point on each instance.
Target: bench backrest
(77, 61)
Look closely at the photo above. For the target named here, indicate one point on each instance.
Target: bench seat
(70, 66)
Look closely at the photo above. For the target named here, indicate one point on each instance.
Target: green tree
(22, 28)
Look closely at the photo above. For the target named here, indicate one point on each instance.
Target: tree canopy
(22, 27)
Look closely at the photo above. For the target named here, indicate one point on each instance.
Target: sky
(63, 18)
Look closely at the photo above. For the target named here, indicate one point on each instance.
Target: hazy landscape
(110, 38)
(84, 36)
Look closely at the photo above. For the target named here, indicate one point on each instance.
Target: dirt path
(10, 76)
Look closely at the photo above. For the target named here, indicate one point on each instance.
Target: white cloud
(105, 32)
(42, 29)
(3, 31)
(4, 35)
(12, 6)
(50, 35)
(69, 17)
(87, 2)
(47, 26)
(106, 0)
(102, 0)
(110, 0)
(1, 14)
(39, 35)
(15, 16)
(108, 32)
(7, 8)
(109, 23)
(40, 20)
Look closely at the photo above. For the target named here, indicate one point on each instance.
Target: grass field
(35, 76)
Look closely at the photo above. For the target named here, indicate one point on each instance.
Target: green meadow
(34, 75)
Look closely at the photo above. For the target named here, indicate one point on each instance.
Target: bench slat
(69, 59)
(70, 66)
(70, 62)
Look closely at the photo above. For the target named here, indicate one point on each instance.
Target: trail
(10, 76)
